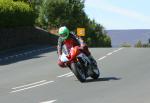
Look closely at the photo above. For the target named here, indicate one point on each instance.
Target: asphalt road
(34, 77)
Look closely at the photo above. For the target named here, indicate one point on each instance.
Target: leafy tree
(23, 0)
(54, 13)
(139, 44)
(97, 35)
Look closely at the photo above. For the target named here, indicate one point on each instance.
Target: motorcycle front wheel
(95, 73)
(79, 73)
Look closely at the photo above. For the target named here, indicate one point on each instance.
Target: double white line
(66, 75)
(29, 86)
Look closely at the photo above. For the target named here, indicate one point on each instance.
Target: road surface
(34, 77)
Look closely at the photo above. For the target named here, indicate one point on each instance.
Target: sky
(119, 14)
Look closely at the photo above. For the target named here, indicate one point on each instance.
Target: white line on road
(110, 53)
(117, 50)
(70, 75)
(31, 87)
(49, 101)
(29, 84)
(64, 75)
(102, 58)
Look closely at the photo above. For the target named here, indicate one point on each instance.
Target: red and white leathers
(75, 41)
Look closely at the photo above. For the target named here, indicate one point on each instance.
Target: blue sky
(120, 14)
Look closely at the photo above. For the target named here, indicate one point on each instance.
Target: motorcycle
(80, 64)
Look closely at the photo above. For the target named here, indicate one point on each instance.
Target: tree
(97, 35)
(22, 0)
(55, 13)
(139, 44)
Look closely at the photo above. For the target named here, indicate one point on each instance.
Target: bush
(138, 44)
(22, 0)
(14, 14)
(125, 44)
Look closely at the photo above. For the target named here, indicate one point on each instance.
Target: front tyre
(79, 73)
(95, 73)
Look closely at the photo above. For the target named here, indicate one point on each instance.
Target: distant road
(36, 78)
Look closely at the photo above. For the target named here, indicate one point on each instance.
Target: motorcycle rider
(66, 36)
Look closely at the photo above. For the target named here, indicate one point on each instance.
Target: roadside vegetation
(18, 16)
(15, 14)
(139, 44)
(125, 44)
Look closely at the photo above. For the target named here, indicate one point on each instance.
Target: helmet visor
(63, 35)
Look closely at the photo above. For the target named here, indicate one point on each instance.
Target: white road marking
(29, 84)
(120, 48)
(64, 75)
(110, 53)
(49, 101)
(102, 58)
(31, 87)
(70, 75)
(117, 50)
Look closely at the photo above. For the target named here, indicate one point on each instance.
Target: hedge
(16, 13)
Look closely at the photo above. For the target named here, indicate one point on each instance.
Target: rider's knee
(61, 64)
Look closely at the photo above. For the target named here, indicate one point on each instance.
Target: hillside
(119, 37)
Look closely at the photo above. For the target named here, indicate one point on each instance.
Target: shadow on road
(102, 79)
(36, 54)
